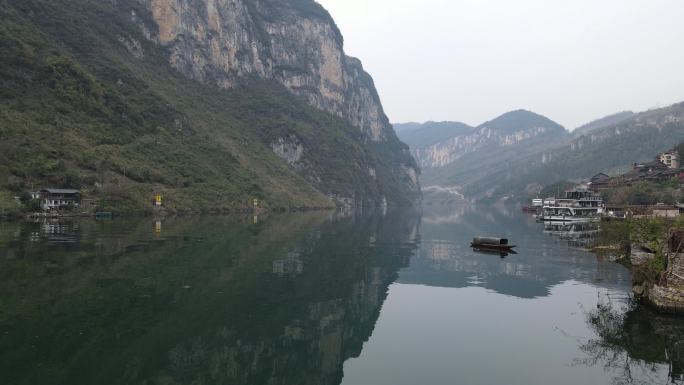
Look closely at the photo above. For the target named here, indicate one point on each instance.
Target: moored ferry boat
(578, 205)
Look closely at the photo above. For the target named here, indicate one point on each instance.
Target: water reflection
(577, 234)
(633, 342)
(288, 299)
(445, 258)
(206, 301)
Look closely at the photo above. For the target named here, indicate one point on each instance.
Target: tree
(8, 205)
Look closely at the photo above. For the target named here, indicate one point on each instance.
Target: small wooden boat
(491, 244)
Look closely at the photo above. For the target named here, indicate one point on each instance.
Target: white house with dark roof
(57, 199)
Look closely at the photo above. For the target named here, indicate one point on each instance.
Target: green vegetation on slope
(87, 102)
(518, 120)
(647, 232)
(610, 149)
(603, 122)
(645, 193)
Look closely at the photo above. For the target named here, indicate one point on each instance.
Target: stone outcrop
(667, 294)
(288, 149)
(639, 255)
(667, 299)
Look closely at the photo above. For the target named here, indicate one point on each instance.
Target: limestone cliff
(295, 43)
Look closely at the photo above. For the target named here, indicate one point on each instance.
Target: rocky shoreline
(665, 291)
(657, 265)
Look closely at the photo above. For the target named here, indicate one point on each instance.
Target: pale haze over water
(471, 60)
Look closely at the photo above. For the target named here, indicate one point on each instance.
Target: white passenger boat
(578, 205)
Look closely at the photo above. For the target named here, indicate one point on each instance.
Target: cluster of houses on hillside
(585, 203)
(665, 167)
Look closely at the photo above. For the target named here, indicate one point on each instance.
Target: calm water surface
(318, 299)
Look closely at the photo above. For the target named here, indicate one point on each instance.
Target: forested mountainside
(609, 149)
(208, 102)
(544, 153)
(472, 159)
(603, 122)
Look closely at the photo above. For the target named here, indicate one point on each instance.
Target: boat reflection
(502, 254)
(578, 234)
(445, 259)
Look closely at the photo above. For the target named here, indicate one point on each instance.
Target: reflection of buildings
(55, 231)
(290, 265)
(577, 234)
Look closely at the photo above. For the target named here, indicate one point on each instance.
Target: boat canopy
(489, 241)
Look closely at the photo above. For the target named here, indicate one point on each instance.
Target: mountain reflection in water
(205, 301)
(318, 299)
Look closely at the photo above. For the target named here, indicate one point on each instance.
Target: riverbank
(653, 250)
(239, 211)
(163, 212)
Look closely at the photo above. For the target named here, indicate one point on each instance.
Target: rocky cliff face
(296, 43)
(447, 152)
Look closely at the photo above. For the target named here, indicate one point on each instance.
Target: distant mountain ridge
(436, 145)
(517, 153)
(607, 149)
(603, 122)
(520, 121)
(430, 133)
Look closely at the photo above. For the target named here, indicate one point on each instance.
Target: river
(317, 298)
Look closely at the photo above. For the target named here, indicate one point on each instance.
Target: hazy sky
(471, 60)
